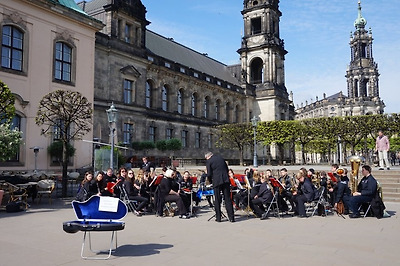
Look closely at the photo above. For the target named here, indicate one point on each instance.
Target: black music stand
(215, 214)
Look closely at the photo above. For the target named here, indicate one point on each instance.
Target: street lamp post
(112, 119)
(254, 122)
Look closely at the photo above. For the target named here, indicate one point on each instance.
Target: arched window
(194, 104)
(237, 114)
(180, 101)
(148, 94)
(206, 106)
(16, 125)
(12, 48)
(218, 110)
(228, 112)
(63, 62)
(164, 98)
(256, 73)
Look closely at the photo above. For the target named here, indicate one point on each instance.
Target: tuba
(355, 162)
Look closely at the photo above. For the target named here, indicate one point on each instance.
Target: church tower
(362, 73)
(262, 56)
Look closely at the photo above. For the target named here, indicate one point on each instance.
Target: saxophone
(293, 188)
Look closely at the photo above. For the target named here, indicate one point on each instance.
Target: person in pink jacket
(382, 146)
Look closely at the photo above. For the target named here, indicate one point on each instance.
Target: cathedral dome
(360, 22)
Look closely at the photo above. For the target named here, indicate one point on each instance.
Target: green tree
(10, 140)
(161, 145)
(71, 114)
(235, 136)
(7, 101)
(55, 149)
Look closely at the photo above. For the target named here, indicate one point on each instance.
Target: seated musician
(305, 193)
(285, 192)
(365, 192)
(186, 184)
(332, 184)
(110, 177)
(240, 192)
(323, 182)
(342, 190)
(263, 196)
(132, 189)
(114, 188)
(168, 194)
(87, 188)
(100, 186)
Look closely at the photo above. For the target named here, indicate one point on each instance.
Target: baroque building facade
(46, 45)
(362, 81)
(165, 90)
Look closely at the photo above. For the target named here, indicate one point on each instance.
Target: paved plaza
(36, 237)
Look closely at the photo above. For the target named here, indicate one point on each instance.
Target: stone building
(165, 90)
(362, 81)
(45, 46)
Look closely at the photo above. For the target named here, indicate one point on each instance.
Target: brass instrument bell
(355, 162)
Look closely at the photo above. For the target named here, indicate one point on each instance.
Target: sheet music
(108, 204)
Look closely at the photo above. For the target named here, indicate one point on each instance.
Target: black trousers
(179, 202)
(300, 207)
(225, 190)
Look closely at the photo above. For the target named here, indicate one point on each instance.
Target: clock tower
(262, 56)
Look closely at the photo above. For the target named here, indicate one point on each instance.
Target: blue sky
(316, 34)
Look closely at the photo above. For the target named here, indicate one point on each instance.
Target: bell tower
(262, 56)
(362, 73)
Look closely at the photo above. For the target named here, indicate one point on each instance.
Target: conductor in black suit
(217, 173)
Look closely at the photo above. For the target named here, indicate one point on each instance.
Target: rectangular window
(210, 143)
(256, 25)
(182, 70)
(59, 130)
(63, 62)
(11, 48)
(168, 133)
(128, 84)
(166, 64)
(150, 58)
(184, 138)
(128, 33)
(127, 131)
(208, 79)
(152, 133)
(197, 140)
(195, 74)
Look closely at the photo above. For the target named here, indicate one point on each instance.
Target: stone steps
(390, 183)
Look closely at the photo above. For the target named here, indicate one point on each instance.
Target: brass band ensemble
(261, 194)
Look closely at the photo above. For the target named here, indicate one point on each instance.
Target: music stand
(153, 184)
(215, 214)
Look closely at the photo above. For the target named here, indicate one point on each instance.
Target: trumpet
(355, 162)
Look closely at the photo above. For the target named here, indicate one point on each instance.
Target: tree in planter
(56, 150)
(173, 145)
(67, 114)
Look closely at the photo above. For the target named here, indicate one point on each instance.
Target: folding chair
(131, 204)
(313, 205)
(273, 205)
